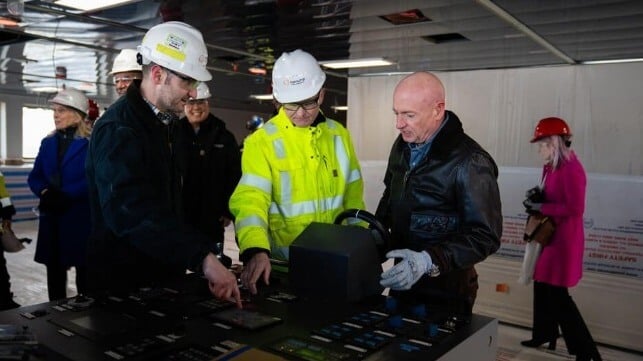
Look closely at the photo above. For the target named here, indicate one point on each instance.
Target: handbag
(532, 252)
(10, 243)
(539, 228)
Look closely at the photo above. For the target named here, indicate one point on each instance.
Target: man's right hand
(222, 282)
(259, 264)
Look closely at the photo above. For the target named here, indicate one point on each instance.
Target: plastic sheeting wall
(603, 105)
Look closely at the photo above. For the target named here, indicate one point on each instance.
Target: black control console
(184, 322)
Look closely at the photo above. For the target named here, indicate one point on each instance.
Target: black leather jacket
(448, 205)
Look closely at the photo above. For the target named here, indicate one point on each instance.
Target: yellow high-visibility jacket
(6, 207)
(292, 176)
(4, 194)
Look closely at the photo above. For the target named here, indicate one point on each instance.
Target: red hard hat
(92, 112)
(550, 126)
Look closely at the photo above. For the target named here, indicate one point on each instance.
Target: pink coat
(561, 262)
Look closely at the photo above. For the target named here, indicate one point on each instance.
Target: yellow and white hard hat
(177, 46)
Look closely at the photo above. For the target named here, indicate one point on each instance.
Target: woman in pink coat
(560, 264)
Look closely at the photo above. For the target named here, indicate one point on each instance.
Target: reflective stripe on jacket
(5, 200)
(293, 176)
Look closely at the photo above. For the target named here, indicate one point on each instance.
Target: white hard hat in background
(296, 76)
(177, 46)
(73, 98)
(126, 61)
(203, 91)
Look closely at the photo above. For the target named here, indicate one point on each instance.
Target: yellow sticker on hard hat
(172, 53)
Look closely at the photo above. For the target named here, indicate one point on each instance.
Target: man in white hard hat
(138, 238)
(212, 161)
(300, 167)
(125, 70)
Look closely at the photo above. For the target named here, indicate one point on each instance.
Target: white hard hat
(73, 98)
(177, 46)
(203, 91)
(126, 61)
(296, 76)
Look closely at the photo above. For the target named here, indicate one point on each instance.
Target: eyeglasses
(191, 83)
(309, 104)
(125, 79)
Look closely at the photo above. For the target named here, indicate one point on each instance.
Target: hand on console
(411, 267)
(222, 282)
(258, 265)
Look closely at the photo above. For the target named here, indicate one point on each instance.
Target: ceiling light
(614, 61)
(356, 63)
(393, 73)
(339, 107)
(261, 96)
(412, 16)
(258, 68)
(45, 89)
(8, 21)
(91, 5)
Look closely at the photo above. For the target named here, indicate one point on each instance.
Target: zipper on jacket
(406, 178)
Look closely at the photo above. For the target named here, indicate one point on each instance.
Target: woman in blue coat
(58, 178)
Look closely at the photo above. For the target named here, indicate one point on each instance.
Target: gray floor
(29, 286)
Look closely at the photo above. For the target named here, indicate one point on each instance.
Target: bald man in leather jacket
(441, 200)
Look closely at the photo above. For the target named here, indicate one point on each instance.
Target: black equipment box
(335, 262)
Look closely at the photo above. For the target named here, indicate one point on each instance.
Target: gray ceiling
(456, 35)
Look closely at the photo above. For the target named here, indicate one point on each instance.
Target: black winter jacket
(138, 238)
(211, 163)
(448, 205)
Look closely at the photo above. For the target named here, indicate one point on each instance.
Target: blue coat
(62, 236)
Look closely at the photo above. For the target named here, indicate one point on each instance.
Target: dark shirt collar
(68, 132)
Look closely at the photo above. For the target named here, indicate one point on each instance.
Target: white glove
(408, 271)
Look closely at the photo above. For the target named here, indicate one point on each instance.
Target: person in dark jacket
(58, 178)
(212, 168)
(138, 237)
(441, 201)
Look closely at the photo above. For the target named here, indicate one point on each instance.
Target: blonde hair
(561, 147)
(83, 128)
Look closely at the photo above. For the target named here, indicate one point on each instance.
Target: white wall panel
(603, 105)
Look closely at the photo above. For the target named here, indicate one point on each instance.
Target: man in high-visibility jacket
(300, 167)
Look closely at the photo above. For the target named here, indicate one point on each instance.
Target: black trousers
(57, 281)
(5, 285)
(554, 307)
